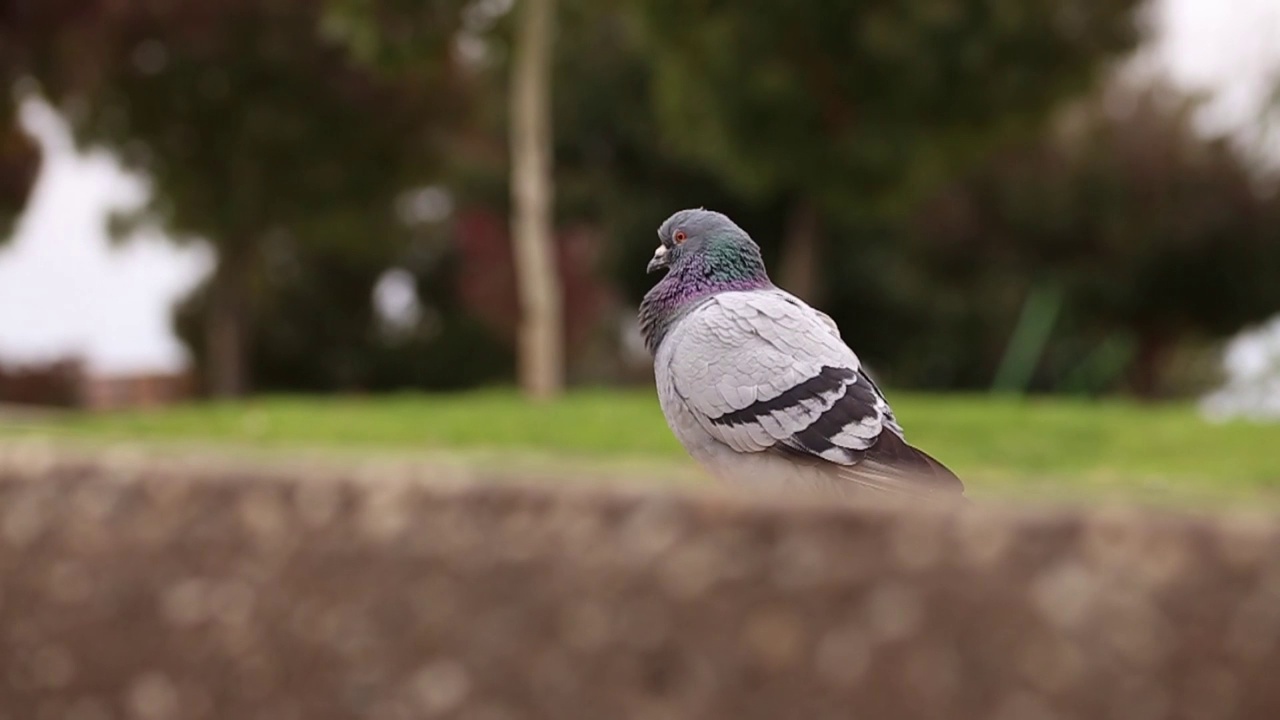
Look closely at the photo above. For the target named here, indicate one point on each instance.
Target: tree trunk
(799, 274)
(226, 328)
(1148, 365)
(541, 333)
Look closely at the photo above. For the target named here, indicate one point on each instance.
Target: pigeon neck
(687, 285)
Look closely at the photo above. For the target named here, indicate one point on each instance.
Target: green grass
(1001, 446)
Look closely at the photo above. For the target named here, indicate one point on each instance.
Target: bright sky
(64, 291)
(1228, 47)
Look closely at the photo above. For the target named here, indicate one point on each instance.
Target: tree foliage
(314, 329)
(19, 164)
(841, 109)
(256, 127)
(1153, 235)
(849, 102)
(25, 31)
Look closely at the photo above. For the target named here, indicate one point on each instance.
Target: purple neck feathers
(683, 289)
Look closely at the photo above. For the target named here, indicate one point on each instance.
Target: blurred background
(1051, 229)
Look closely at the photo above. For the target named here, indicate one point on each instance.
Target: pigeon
(758, 386)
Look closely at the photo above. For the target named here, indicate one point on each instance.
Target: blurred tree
(20, 27)
(316, 328)
(1152, 235)
(19, 165)
(616, 178)
(253, 122)
(613, 168)
(532, 195)
(838, 109)
(387, 34)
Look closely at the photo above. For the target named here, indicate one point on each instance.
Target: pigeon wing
(761, 371)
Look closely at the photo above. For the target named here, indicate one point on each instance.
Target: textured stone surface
(147, 590)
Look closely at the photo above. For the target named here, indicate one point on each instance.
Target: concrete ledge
(147, 590)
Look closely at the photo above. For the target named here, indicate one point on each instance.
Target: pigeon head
(704, 253)
(710, 244)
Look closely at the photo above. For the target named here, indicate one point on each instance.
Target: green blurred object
(1029, 339)
(1101, 368)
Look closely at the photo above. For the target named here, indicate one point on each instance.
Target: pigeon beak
(659, 260)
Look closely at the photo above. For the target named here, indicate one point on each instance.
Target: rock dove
(758, 386)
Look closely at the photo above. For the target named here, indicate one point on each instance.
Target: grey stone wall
(155, 589)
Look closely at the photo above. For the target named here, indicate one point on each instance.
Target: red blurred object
(487, 279)
(66, 383)
(55, 384)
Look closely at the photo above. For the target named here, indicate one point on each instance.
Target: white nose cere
(661, 251)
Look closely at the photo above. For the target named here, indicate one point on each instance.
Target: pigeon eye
(679, 237)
